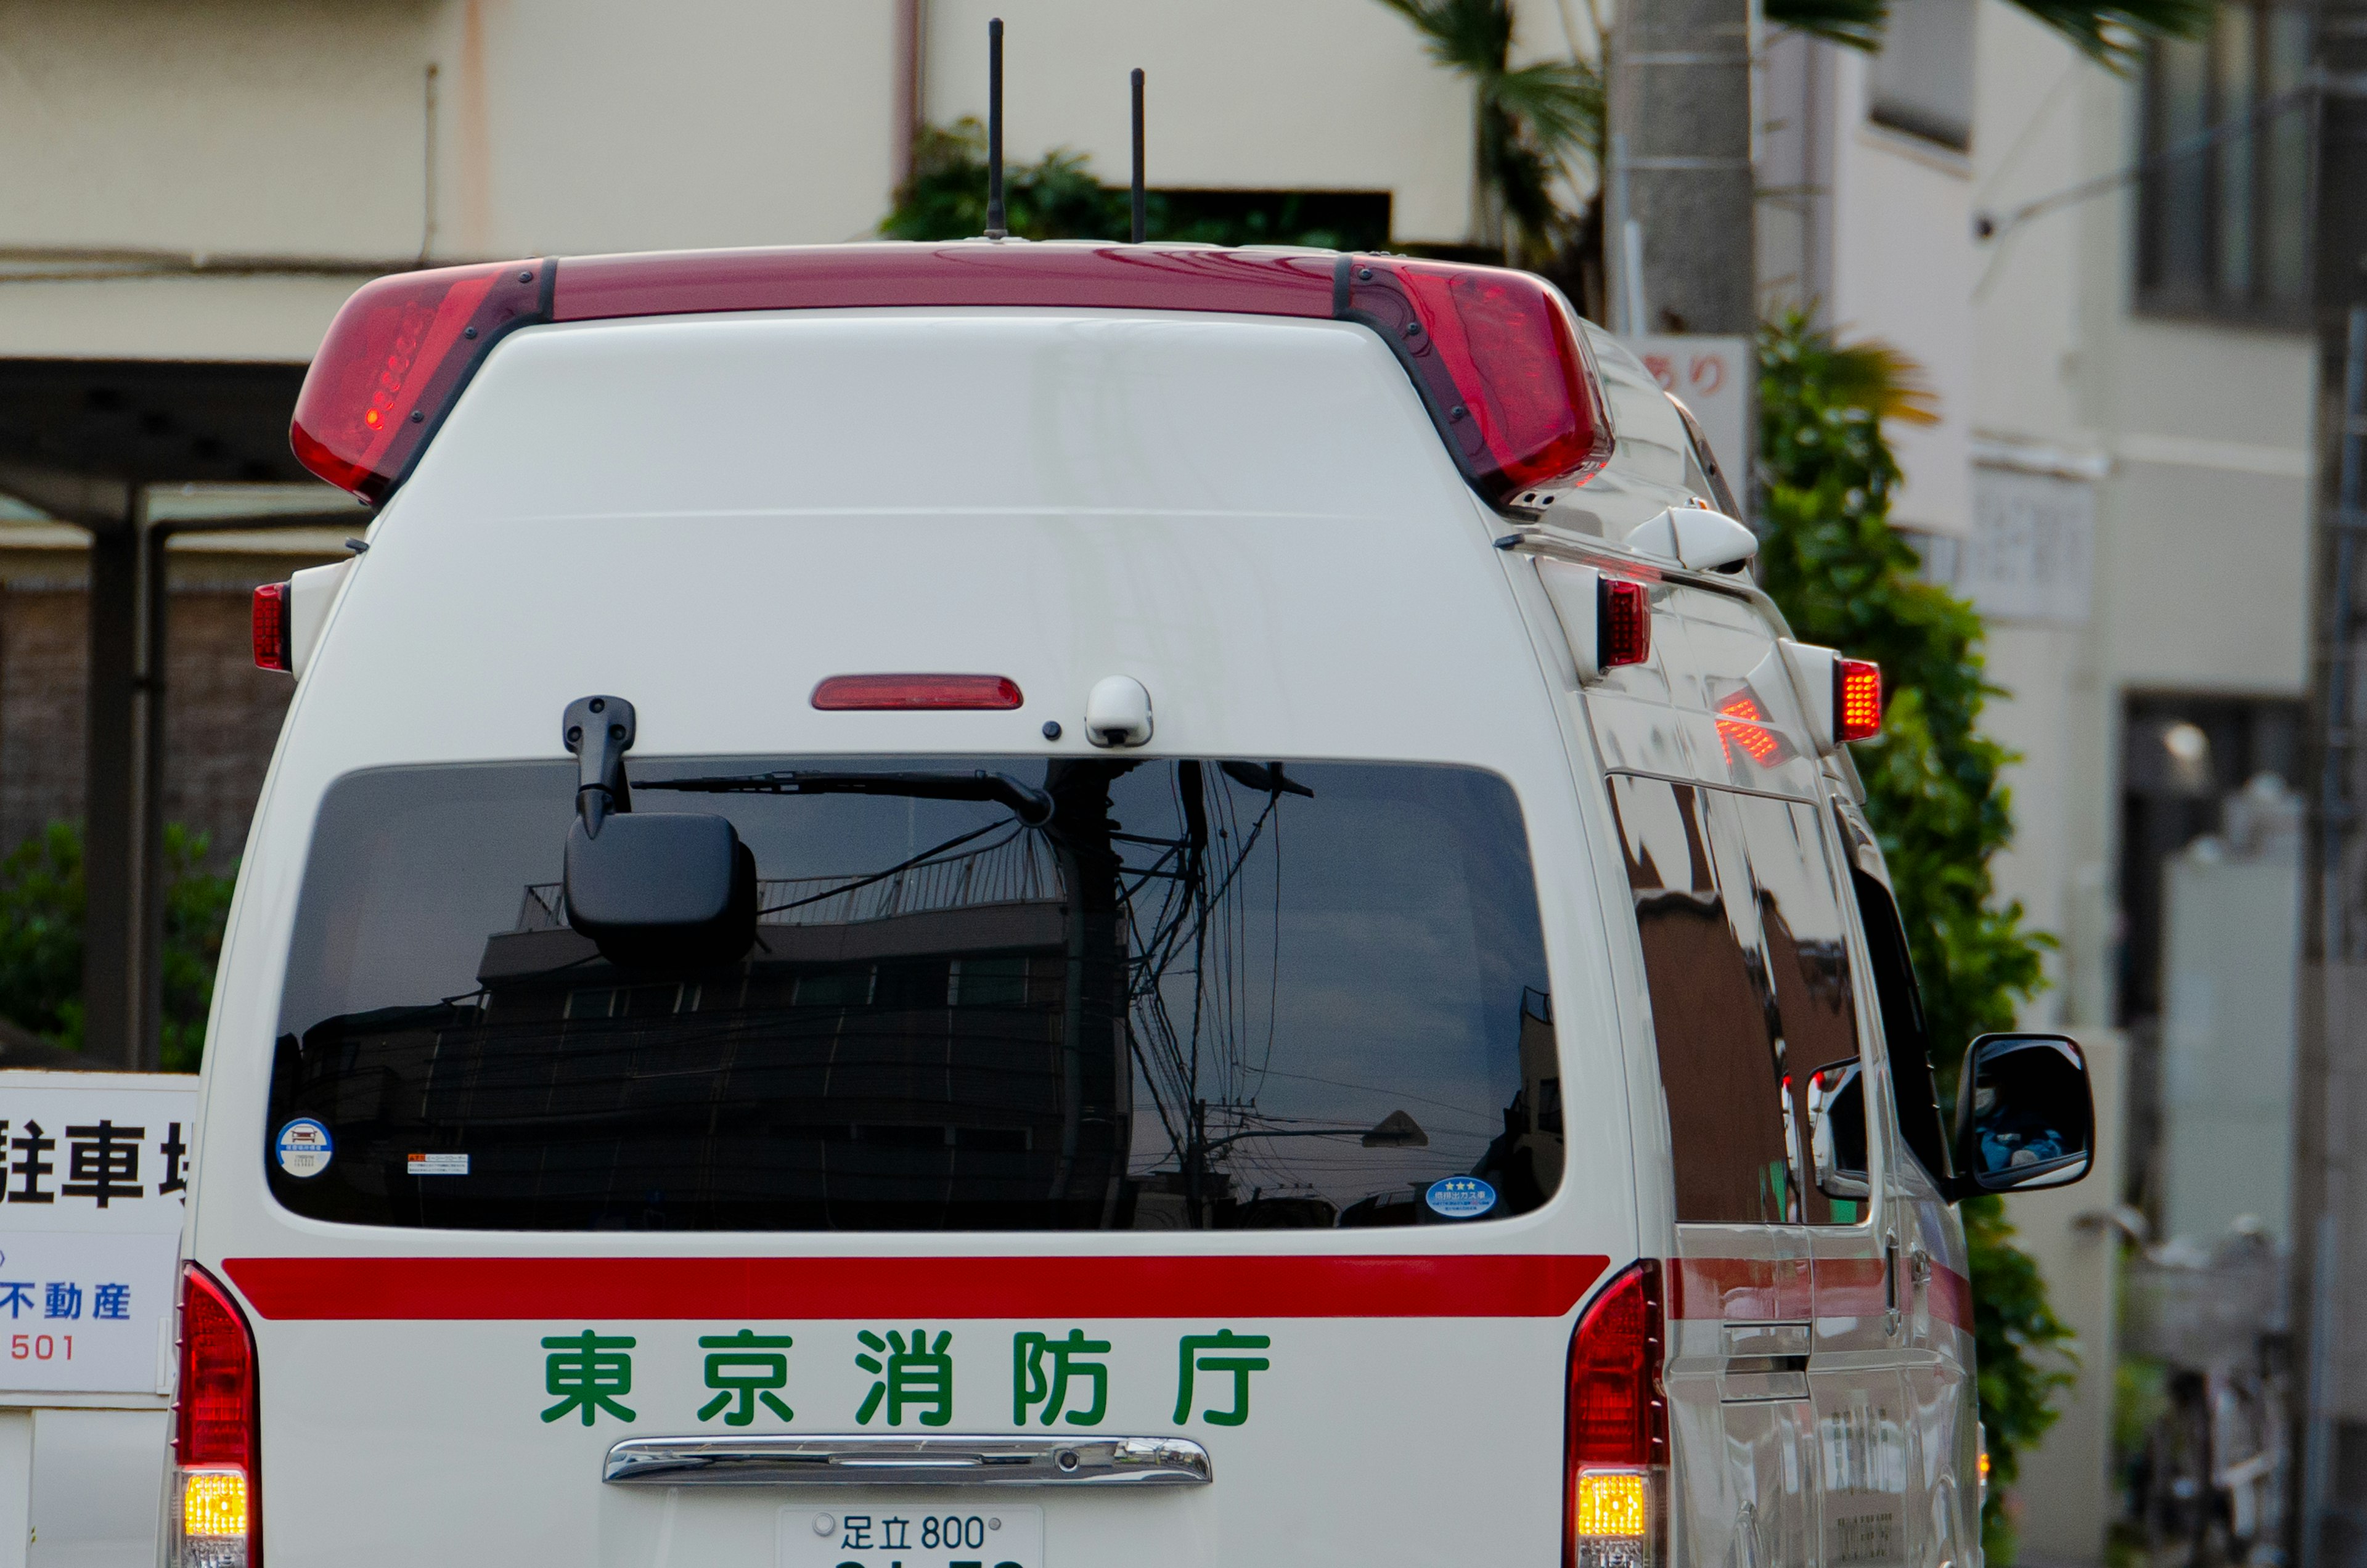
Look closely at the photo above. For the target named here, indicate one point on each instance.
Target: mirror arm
(598, 731)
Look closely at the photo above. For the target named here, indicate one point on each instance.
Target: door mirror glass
(2023, 1115)
(662, 889)
(1837, 1129)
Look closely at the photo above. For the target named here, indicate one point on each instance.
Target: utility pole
(2330, 1187)
(1680, 238)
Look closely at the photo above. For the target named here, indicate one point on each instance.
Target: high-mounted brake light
(271, 640)
(1857, 698)
(217, 1506)
(845, 693)
(1500, 362)
(1843, 696)
(396, 358)
(1616, 1446)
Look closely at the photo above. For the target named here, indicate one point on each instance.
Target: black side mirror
(662, 889)
(2025, 1115)
(654, 889)
(1837, 1129)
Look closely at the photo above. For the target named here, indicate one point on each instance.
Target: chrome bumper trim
(894, 1459)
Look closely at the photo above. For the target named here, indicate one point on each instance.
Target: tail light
(843, 693)
(1617, 1443)
(271, 641)
(1623, 626)
(396, 358)
(217, 1504)
(1857, 698)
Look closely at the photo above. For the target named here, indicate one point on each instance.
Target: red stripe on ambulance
(466, 1289)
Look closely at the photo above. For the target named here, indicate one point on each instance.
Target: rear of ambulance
(1149, 1089)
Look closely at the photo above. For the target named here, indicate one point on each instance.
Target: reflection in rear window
(1204, 994)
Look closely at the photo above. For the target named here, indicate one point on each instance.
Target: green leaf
(1857, 23)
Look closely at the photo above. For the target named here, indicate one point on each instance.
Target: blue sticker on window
(1461, 1197)
(305, 1147)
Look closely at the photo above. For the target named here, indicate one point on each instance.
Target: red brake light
(395, 358)
(1857, 698)
(271, 645)
(843, 693)
(216, 1433)
(1507, 374)
(1617, 1444)
(1624, 624)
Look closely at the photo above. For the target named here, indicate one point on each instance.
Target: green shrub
(42, 939)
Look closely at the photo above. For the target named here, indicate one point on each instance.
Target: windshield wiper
(1030, 805)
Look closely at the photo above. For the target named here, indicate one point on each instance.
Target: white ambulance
(898, 857)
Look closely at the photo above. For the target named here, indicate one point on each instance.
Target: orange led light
(1857, 698)
(1613, 1503)
(213, 1502)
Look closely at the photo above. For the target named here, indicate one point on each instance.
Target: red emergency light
(1857, 698)
(1496, 354)
(272, 642)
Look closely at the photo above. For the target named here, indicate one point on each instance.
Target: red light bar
(968, 272)
(1857, 698)
(1506, 374)
(1624, 624)
(271, 641)
(395, 360)
(1495, 353)
(858, 694)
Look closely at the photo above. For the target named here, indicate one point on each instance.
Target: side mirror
(662, 889)
(2025, 1115)
(1837, 1129)
(654, 889)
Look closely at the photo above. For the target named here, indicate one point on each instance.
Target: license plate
(897, 1535)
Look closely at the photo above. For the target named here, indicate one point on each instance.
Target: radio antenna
(1141, 227)
(994, 225)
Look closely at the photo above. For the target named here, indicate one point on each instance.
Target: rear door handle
(1764, 1361)
(872, 1459)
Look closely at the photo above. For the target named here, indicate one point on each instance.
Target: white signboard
(97, 1171)
(1712, 376)
(2030, 556)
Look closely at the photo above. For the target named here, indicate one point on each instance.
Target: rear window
(1206, 994)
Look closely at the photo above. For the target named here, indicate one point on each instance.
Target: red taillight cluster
(395, 360)
(1616, 1446)
(272, 647)
(1857, 698)
(1622, 623)
(1497, 355)
(855, 693)
(217, 1511)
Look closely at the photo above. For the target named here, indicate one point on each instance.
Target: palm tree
(1533, 126)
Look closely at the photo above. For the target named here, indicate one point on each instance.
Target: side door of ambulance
(1933, 1285)
(1739, 1302)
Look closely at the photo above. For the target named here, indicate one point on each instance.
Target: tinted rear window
(1204, 995)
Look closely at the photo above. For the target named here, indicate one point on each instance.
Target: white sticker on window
(305, 1147)
(439, 1165)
